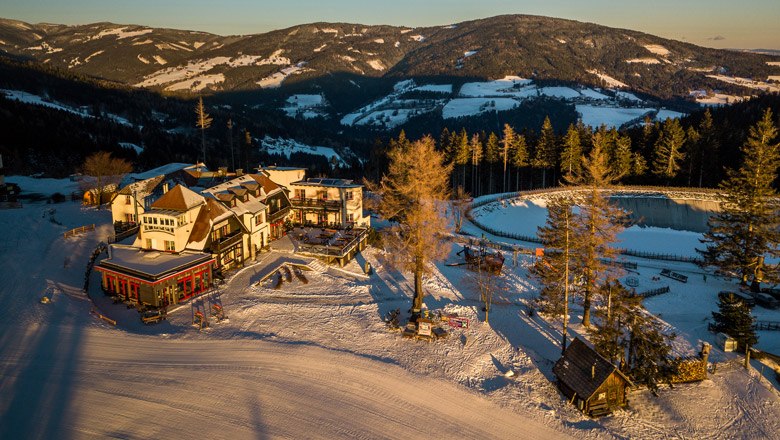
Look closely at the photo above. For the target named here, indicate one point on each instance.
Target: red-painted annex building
(155, 278)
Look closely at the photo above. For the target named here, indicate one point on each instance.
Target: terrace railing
(338, 251)
(315, 203)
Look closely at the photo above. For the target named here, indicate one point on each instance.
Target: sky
(746, 24)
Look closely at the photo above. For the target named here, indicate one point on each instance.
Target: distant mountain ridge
(545, 49)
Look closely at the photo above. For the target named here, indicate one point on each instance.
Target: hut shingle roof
(583, 370)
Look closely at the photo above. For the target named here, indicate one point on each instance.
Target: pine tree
(693, 147)
(734, 319)
(553, 271)
(668, 150)
(599, 224)
(610, 335)
(638, 164)
(746, 229)
(571, 155)
(491, 157)
(622, 157)
(462, 154)
(203, 122)
(546, 150)
(411, 193)
(709, 149)
(519, 157)
(649, 348)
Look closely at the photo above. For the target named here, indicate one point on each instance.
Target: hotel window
(127, 200)
(170, 246)
(300, 194)
(148, 243)
(351, 218)
(349, 195)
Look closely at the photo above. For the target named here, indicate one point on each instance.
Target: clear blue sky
(713, 23)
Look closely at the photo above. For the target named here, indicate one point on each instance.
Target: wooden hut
(590, 381)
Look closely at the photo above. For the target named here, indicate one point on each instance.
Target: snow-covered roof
(150, 265)
(164, 170)
(234, 189)
(213, 212)
(142, 188)
(180, 198)
(333, 183)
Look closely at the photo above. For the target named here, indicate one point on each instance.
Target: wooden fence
(80, 230)
(767, 325)
(654, 292)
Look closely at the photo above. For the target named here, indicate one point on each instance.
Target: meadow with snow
(611, 107)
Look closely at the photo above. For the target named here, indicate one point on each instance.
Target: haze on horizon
(751, 24)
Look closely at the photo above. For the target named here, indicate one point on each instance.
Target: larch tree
(746, 229)
(508, 141)
(668, 153)
(107, 171)
(203, 122)
(230, 143)
(571, 154)
(554, 270)
(598, 226)
(412, 195)
(477, 152)
(546, 150)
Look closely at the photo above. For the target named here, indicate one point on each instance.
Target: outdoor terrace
(331, 245)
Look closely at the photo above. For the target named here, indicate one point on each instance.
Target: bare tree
(486, 282)
(107, 171)
(411, 195)
(203, 122)
(460, 204)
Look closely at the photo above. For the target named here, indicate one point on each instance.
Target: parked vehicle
(766, 300)
(744, 297)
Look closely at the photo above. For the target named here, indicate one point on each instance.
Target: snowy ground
(315, 360)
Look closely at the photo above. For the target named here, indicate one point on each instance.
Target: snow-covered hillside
(30, 98)
(287, 147)
(596, 107)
